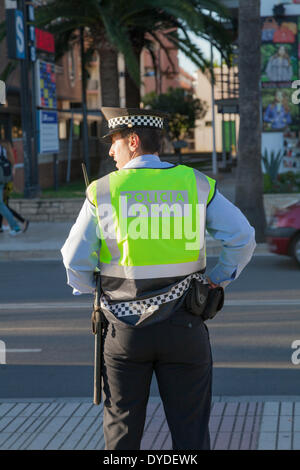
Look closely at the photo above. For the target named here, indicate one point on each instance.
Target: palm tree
(127, 26)
(249, 181)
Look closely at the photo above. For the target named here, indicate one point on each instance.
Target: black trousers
(178, 351)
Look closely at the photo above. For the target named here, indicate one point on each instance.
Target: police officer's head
(133, 132)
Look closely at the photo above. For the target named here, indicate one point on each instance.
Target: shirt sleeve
(80, 251)
(225, 222)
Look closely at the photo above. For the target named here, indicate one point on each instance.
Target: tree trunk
(249, 181)
(132, 92)
(109, 76)
(110, 96)
(132, 89)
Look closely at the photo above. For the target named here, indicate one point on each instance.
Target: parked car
(283, 232)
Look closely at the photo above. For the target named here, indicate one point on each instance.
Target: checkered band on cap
(130, 121)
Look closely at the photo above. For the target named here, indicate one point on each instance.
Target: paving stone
(285, 423)
(269, 423)
(297, 408)
(284, 441)
(31, 409)
(15, 424)
(222, 441)
(72, 441)
(246, 440)
(159, 441)
(5, 408)
(296, 441)
(248, 423)
(286, 408)
(168, 443)
(242, 409)
(239, 424)
(214, 423)
(271, 408)
(296, 423)
(16, 410)
(70, 424)
(231, 409)
(267, 441)
(92, 445)
(40, 442)
(57, 441)
(218, 409)
(84, 441)
(251, 410)
(165, 427)
(96, 410)
(227, 424)
(55, 424)
(235, 441)
(4, 422)
(147, 440)
(68, 409)
(83, 409)
(155, 424)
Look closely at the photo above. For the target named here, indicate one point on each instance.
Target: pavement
(241, 422)
(236, 423)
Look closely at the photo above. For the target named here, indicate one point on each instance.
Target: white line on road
(45, 306)
(21, 350)
(77, 306)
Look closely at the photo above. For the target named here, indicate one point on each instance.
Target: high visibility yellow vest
(152, 227)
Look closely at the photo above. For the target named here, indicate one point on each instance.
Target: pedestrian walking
(143, 226)
(6, 187)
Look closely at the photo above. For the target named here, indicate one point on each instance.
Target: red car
(283, 232)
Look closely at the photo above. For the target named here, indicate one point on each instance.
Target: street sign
(228, 109)
(47, 129)
(44, 41)
(15, 34)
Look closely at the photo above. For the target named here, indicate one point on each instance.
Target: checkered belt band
(147, 121)
(138, 307)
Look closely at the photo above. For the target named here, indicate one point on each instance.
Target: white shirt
(224, 222)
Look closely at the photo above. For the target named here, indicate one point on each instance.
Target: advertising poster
(278, 110)
(279, 68)
(279, 52)
(46, 84)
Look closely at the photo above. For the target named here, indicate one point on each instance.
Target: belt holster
(203, 300)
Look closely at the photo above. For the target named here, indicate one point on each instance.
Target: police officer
(143, 226)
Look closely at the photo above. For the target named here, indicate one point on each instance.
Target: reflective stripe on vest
(121, 204)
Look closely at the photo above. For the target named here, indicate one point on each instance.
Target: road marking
(21, 350)
(88, 305)
(46, 306)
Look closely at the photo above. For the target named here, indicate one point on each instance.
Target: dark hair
(151, 139)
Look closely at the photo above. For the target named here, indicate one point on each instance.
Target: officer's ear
(134, 141)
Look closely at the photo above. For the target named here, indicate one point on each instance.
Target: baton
(97, 325)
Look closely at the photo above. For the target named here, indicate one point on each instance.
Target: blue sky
(204, 45)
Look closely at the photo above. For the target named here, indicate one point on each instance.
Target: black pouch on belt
(203, 300)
